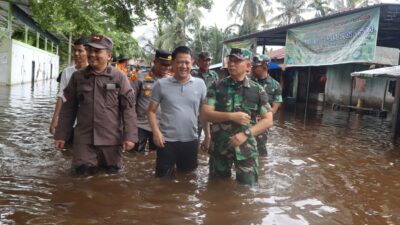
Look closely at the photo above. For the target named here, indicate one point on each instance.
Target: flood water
(335, 168)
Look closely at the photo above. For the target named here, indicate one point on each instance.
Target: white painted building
(23, 63)
(34, 58)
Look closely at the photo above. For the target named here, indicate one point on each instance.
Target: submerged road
(335, 168)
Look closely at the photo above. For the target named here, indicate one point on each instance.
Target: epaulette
(147, 77)
(133, 77)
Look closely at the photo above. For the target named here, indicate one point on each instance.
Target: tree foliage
(208, 39)
(341, 5)
(290, 12)
(321, 7)
(172, 33)
(251, 14)
(114, 18)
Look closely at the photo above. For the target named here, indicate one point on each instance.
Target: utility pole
(9, 20)
(69, 48)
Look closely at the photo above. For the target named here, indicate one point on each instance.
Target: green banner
(250, 44)
(345, 39)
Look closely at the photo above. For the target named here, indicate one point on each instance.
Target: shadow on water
(333, 168)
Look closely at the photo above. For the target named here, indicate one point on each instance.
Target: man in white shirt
(81, 61)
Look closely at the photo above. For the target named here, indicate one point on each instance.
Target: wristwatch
(248, 133)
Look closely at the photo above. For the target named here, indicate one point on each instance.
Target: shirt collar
(106, 72)
(174, 80)
(265, 80)
(246, 81)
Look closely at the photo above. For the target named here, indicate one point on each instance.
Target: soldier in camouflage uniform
(233, 104)
(274, 91)
(204, 72)
(208, 76)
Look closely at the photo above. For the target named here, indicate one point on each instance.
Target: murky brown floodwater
(336, 168)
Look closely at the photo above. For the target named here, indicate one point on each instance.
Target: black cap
(100, 42)
(123, 57)
(205, 55)
(165, 57)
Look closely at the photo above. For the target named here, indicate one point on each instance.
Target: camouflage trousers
(262, 143)
(246, 170)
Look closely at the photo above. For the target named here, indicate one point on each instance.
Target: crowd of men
(103, 110)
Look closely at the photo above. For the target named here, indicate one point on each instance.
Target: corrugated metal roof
(23, 16)
(277, 54)
(389, 72)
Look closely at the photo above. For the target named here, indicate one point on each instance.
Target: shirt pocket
(85, 93)
(111, 97)
(251, 104)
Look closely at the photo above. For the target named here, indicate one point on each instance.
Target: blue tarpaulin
(273, 66)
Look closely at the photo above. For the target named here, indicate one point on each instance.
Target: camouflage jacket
(228, 95)
(272, 87)
(208, 77)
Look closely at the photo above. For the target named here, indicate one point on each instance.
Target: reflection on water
(335, 168)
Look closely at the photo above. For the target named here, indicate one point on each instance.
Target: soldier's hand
(127, 145)
(241, 118)
(237, 139)
(59, 144)
(158, 139)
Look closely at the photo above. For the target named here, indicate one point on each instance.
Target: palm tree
(198, 45)
(208, 39)
(291, 11)
(321, 7)
(215, 43)
(185, 19)
(232, 31)
(341, 5)
(250, 12)
(351, 4)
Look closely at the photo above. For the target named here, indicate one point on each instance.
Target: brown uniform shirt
(103, 105)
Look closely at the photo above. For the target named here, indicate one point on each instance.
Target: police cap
(165, 57)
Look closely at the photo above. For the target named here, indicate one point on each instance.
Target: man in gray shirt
(180, 98)
(143, 87)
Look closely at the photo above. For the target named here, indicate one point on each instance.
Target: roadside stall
(389, 73)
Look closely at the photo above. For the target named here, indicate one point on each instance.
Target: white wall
(23, 56)
(5, 60)
(16, 63)
(338, 86)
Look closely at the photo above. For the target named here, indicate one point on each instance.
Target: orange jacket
(122, 68)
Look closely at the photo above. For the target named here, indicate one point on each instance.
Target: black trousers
(181, 154)
(144, 137)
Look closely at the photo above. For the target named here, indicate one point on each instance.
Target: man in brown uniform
(100, 98)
